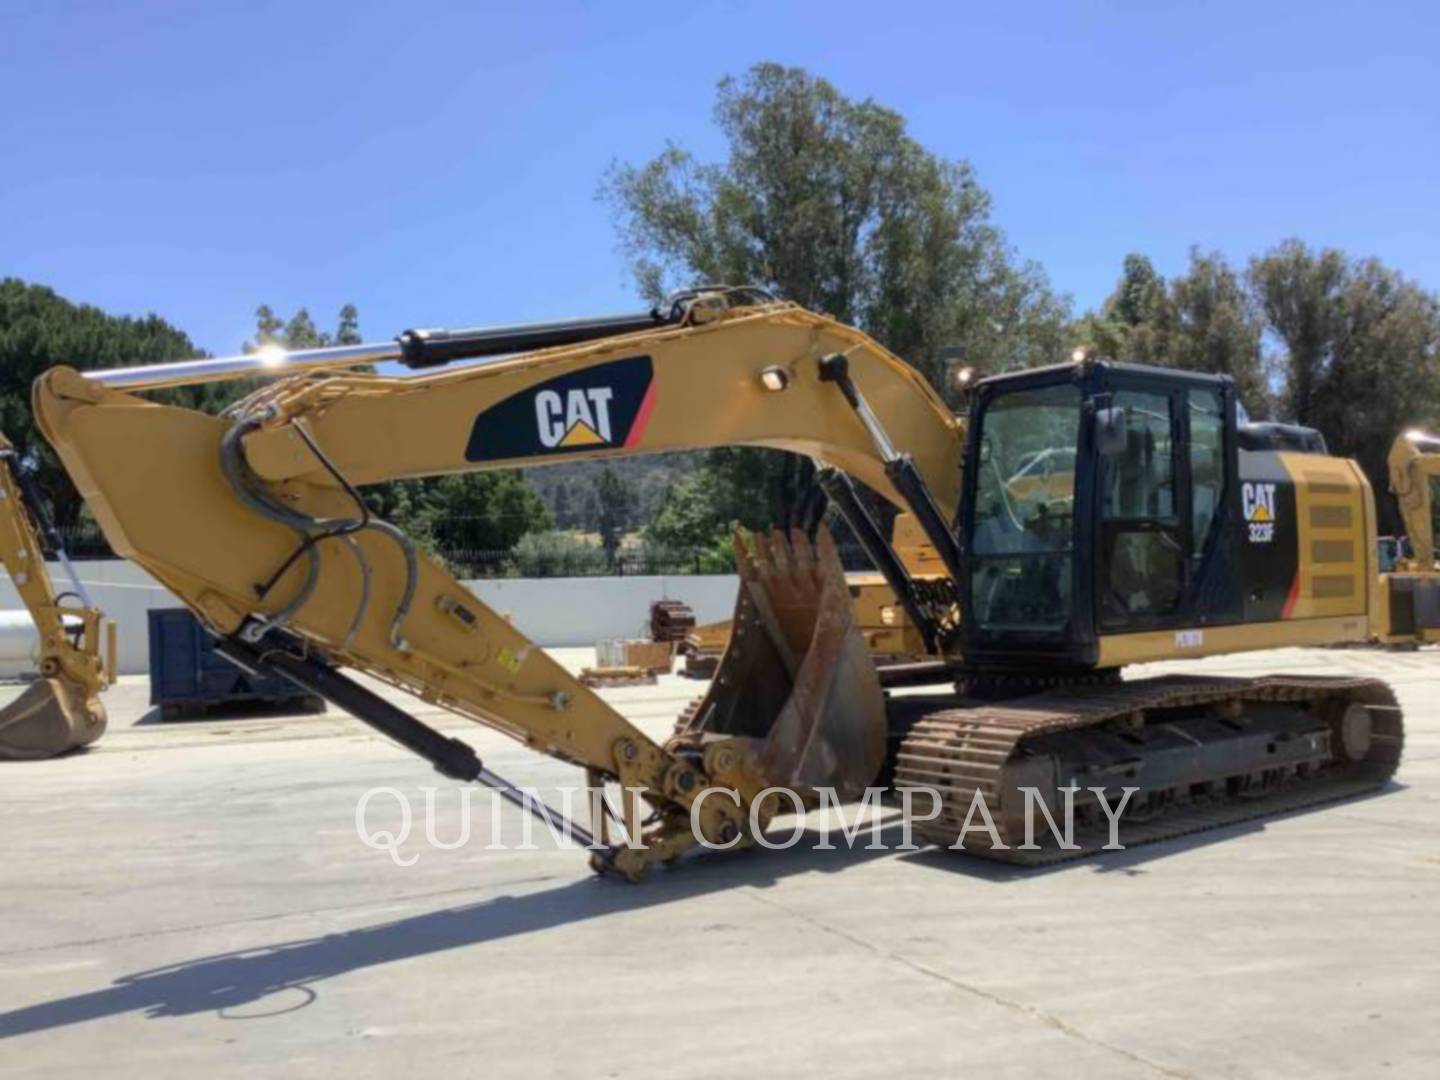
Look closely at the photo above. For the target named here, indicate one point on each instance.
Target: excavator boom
(255, 521)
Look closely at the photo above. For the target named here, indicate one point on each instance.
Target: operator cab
(1100, 498)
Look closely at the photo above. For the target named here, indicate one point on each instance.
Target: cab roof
(1082, 369)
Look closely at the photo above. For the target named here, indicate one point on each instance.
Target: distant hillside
(569, 490)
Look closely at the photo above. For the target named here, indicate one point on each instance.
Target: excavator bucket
(796, 676)
(51, 717)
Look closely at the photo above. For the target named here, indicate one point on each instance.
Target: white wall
(551, 611)
(582, 611)
(123, 591)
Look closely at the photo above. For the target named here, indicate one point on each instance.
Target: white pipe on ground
(20, 641)
(18, 638)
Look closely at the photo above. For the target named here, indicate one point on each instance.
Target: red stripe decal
(642, 418)
(1293, 598)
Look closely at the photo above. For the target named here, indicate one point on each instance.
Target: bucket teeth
(797, 677)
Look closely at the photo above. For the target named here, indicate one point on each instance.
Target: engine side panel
(1334, 511)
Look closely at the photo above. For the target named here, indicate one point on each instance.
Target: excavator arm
(61, 710)
(255, 520)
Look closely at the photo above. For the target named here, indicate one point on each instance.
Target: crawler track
(992, 749)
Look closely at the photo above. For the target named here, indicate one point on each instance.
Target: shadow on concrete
(247, 709)
(228, 982)
(1108, 862)
(1130, 860)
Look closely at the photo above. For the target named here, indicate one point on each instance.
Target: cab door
(1141, 542)
(1164, 484)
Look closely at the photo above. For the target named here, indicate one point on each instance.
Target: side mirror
(1112, 431)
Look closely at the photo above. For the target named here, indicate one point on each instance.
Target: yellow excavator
(1085, 516)
(60, 710)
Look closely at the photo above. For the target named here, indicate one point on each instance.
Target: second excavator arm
(1414, 465)
(61, 710)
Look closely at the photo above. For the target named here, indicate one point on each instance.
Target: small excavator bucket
(51, 717)
(796, 676)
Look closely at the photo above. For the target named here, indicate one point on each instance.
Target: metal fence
(469, 563)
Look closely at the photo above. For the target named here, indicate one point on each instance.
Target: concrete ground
(193, 899)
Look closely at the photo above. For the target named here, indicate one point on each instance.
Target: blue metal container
(187, 676)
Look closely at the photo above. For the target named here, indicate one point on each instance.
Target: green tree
(463, 513)
(1360, 349)
(558, 554)
(300, 332)
(616, 499)
(1301, 293)
(1204, 320)
(1218, 328)
(829, 202)
(40, 329)
(736, 488)
(1136, 322)
(486, 511)
(561, 498)
(348, 330)
(269, 327)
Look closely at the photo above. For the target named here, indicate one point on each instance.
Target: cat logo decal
(596, 408)
(1258, 502)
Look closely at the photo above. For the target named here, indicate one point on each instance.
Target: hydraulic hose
(238, 476)
(314, 531)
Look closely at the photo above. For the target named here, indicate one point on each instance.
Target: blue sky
(437, 164)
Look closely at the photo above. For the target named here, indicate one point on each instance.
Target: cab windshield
(1023, 525)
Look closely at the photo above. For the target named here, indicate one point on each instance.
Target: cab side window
(1140, 481)
(1207, 466)
(1141, 542)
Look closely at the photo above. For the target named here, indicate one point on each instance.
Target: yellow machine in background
(1152, 525)
(891, 636)
(61, 710)
(1411, 589)
(1414, 464)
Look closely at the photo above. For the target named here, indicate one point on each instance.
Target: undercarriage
(1193, 753)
